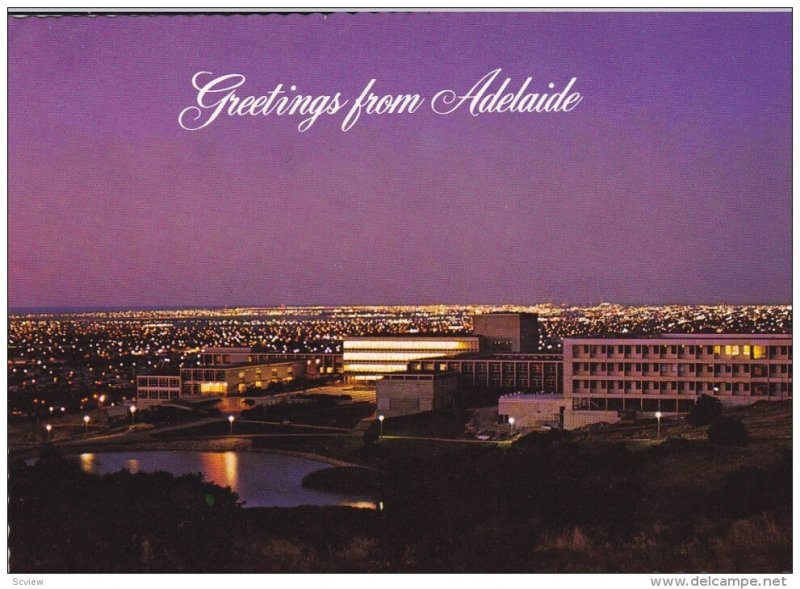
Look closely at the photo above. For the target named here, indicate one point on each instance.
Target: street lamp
(381, 418)
(133, 413)
(231, 419)
(85, 423)
(658, 430)
(511, 421)
(101, 399)
(48, 427)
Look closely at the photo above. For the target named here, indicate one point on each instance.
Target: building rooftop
(245, 365)
(509, 357)
(391, 336)
(421, 373)
(532, 397)
(173, 372)
(662, 336)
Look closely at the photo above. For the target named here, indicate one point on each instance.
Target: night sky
(669, 183)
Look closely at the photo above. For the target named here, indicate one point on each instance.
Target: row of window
(157, 394)
(650, 405)
(754, 352)
(616, 404)
(159, 381)
(669, 369)
(691, 388)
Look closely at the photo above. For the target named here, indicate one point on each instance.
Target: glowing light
(87, 462)
(410, 344)
(213, 387)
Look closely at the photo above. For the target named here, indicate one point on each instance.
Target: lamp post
(133, 414)
(658, 427)
(231, 419)
(85, 423)
(101, 399)
(381, 418)
(48, 427)
(511, 421)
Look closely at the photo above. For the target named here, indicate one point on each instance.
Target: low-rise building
(368, 359)
(532, 411)
(155, 389)
(238, 378)
(215, 380)
(406, 394)
(539, 373)
(317, 363)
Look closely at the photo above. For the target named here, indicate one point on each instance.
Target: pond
(260, 479)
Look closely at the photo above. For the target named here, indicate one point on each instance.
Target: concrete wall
(529, 412)
(507, 332)
(410, 395)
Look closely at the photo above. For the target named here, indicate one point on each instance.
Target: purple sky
(670, 182)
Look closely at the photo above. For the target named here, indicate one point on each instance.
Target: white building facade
(604, 377)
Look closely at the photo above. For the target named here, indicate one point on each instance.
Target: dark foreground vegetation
(544, 504)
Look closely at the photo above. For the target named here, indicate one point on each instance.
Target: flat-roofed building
(368, 358)
(155, 389)
(317, 363)
(532, 411)
(604, 377)
(407, 394)
(238, 378)
(539, 373)
(507, 332)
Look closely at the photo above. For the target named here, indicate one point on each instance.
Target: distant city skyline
(670, 184)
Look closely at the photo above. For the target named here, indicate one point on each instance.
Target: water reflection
(87, 462)
(260, 479)
(223, 467)
(359, 504)
(133, 466)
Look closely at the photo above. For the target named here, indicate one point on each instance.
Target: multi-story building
(317, 364)
(540, 373)
(156, 389)
(606, 376)
(236, 378)
(226, 371)
(370, 358)
(507, 332)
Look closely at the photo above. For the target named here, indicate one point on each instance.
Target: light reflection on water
(260, 479)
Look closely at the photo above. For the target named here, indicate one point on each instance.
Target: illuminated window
(717, 349)
(746, 350)
(759, 352)
(213, 387)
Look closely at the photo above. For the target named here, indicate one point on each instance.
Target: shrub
(370, 436)
(705, 410)
(727, 431)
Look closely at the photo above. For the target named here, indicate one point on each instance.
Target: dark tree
(705, 410)
(727, 431)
